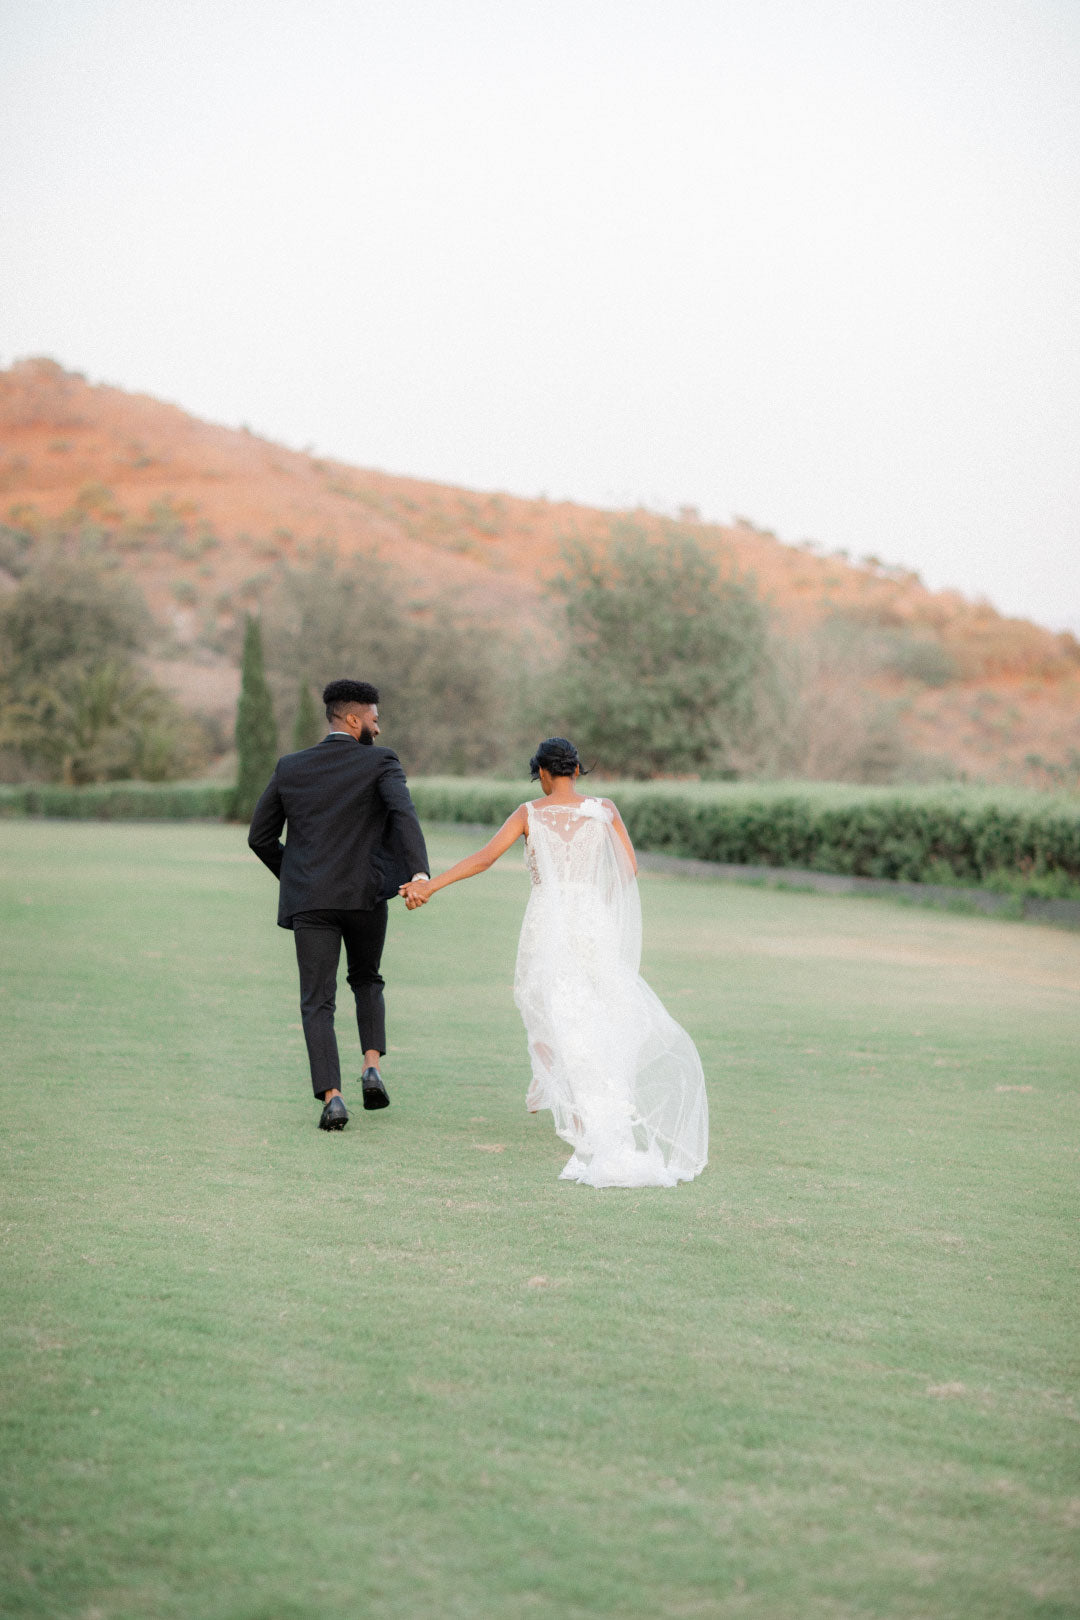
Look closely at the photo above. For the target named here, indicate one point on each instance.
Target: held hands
(416, 893)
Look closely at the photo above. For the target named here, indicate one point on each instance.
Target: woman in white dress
(622, 1079)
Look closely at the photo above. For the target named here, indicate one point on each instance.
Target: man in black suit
(353, 840)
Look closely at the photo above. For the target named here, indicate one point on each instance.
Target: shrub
(918, 836)
(120, 801)
(841, 727)
(73, 703)
(15, 548)
(1012, 842)
(920, 658)
(669, 665)
(67, 608)
(448, 682)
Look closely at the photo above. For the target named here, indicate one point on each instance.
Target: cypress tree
(308, 725)
(256, 729)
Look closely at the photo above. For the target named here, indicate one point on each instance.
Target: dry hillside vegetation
(203, 516)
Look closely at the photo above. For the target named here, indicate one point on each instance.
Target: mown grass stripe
(252, 1371)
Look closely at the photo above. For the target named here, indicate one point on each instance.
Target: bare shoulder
(516, 824)
(609, 804)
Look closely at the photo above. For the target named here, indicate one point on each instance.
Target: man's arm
(394, 791)
(266, 824)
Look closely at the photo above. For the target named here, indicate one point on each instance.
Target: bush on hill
(74, 705)
(451, 685)
(668, 667)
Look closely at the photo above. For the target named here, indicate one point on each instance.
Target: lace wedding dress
(622, 1079)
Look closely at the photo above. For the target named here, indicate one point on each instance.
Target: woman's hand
(416, 893)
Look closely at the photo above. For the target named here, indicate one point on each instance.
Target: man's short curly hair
(341, 696)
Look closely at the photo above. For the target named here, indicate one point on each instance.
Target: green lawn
(255, 1372)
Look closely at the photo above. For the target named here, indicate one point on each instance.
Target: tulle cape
(622, 1079)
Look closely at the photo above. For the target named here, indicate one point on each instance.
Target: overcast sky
(813, 262)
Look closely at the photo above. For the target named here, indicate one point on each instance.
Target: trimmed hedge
(1024, 843)
(1020, 842)
(120, 801)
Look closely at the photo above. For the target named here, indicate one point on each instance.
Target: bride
(621, 1078)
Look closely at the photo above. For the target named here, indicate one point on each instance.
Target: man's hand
(417, 893)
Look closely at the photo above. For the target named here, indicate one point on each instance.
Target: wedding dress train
(622, 1079)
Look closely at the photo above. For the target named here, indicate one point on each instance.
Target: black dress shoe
(374, 1091)
(334, 1115)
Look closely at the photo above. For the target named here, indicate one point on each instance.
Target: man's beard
(366, 737)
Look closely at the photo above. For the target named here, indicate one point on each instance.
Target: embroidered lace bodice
(571, 824)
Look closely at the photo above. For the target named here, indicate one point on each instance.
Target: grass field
(255, 1372)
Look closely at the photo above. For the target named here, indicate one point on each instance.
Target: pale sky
(812, 262)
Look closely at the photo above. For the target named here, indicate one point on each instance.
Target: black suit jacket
(353, 834)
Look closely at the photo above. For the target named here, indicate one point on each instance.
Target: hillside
(200, 514)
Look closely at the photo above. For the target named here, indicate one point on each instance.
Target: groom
(353, 840)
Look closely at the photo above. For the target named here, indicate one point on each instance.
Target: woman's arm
(620, 828)
(420, 891)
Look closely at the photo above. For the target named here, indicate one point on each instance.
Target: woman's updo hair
(558, 757)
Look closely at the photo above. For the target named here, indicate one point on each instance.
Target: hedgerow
(953, 835)
(120, 801)
(983, 837)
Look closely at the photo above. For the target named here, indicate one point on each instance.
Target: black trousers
(318, 936)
